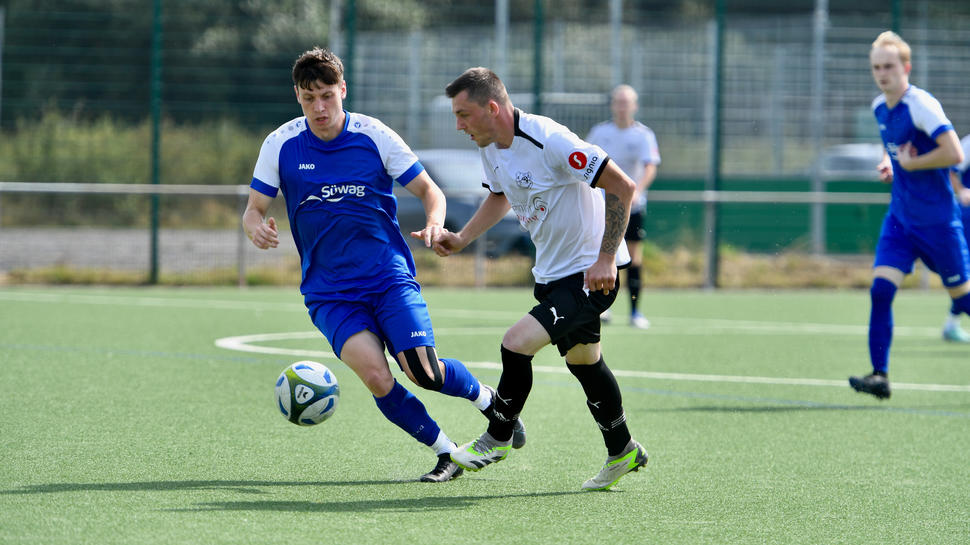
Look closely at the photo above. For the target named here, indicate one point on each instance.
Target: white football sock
(484, 398)
(442, 444)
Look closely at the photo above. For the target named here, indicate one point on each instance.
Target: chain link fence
(76, 93)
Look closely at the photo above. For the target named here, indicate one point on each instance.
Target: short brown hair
(482, 85)
(891, 39)
(317, 65)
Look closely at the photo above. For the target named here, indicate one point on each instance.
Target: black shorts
(634, 229)
(568, 314)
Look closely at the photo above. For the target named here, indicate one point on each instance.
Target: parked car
(850, 162)
(458, 172)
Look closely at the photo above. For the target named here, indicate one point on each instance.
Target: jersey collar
(520, 132)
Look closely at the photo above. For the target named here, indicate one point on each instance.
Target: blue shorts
(965, 217)
(942, 248)
(398, 316)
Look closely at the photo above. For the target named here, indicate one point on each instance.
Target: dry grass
(678, 268)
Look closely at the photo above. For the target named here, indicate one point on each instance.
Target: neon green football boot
(633, 457)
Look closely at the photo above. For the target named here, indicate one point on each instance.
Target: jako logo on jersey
(419, 334)
(307, 166)
(577, 160)
(331, 192)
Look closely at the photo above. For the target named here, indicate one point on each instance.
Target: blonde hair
(624, 88)
(891, 39)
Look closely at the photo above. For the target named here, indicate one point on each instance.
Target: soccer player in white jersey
(633, 146)
(960, 181)
(923, 220)
(548, 176)
(336, 170)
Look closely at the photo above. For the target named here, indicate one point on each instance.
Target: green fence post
(156, 109)
(350, 19)
(713, 182)
(539, 25)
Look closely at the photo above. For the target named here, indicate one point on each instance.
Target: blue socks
(402, 408)
(882, 293)
(961, 304)
(459, 382)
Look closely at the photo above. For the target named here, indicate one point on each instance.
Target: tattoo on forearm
(616, 220)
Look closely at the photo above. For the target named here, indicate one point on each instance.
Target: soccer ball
(307, 393)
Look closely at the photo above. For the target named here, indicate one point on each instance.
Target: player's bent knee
(425, 373)
(890, 274)
(882, 290)
(378, 382)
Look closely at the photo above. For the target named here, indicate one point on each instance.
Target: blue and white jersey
(343, 214)
(921, 197)
(963, 169)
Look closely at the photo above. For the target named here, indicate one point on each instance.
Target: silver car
(458, 172)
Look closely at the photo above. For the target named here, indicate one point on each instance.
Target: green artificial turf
(121, 421)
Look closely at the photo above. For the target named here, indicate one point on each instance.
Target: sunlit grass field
(136, 415)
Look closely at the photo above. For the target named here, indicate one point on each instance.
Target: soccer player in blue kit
(960, 180)
(336, 170)
(923, 220)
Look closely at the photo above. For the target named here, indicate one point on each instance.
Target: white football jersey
(549, 174)
(631, 147)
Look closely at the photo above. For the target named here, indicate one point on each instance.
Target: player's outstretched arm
(493, 209)
(947, 153)
(424, 188)
(263, 234)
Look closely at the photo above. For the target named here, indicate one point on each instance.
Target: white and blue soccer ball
(307, 393)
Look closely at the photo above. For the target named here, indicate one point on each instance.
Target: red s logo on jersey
(577, 160)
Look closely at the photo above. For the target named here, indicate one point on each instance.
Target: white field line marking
(213, 304)
(242, 343)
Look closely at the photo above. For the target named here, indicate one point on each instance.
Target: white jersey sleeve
(488, 178)
(579, 160)
(267, 168)
(928, 114)
(397, 157)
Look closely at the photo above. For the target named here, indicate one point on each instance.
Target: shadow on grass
(945, 410)
(423, 504)
(753, 404)
(248, 487)
(256, 487)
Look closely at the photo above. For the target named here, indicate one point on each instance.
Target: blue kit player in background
(923, 219)
(633, 146)
(336, 170)
(960, 180)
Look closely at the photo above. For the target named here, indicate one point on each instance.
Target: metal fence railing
(224, 60)
(182, 93)
(195, 253)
